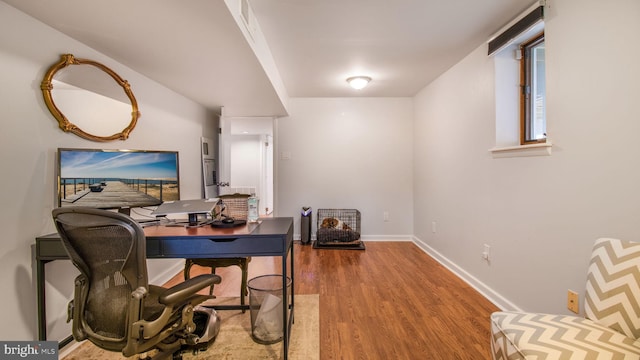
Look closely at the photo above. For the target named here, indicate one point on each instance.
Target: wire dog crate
(338, 228)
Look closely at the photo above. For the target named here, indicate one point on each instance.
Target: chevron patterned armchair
(610, 330)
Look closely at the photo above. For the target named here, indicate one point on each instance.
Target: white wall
(347, 153)
(540, 215)
(30, 137)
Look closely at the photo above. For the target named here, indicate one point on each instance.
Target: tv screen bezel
(59, 197)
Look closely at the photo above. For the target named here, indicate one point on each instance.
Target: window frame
(525, 90)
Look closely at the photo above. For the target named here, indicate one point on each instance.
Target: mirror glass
(90, 100)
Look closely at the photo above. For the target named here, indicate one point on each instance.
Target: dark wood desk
(270, 237)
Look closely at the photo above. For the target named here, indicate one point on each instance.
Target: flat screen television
(116, 179)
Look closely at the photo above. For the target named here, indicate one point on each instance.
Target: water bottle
(252, 204)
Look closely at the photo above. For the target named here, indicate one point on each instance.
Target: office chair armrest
(188, 288)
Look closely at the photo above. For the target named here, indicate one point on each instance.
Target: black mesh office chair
(114, 307)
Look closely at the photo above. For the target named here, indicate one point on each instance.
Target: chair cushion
(612, 296)
(531, 336)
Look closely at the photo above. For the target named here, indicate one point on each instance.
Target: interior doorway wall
(246, 157)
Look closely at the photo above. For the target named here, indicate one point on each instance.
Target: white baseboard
(481, 287)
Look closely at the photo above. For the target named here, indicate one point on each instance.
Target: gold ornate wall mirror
(92, 96)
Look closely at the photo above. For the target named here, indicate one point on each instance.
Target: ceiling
(197, 48)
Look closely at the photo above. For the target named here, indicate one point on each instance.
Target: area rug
(234, 340)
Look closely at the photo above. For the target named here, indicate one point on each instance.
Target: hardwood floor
(391, 301)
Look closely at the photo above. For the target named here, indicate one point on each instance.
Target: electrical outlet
(385, 216)
(433, 227)
(572, 301)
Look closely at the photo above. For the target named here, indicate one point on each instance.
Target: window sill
(543, 149)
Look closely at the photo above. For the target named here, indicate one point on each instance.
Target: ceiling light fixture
(358, 82)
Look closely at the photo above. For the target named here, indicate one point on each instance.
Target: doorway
(246, 158)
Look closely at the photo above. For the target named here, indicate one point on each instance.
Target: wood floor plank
(390, 301)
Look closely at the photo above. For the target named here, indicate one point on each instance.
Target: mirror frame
(67, 126)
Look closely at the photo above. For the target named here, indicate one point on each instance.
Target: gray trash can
(265, 302)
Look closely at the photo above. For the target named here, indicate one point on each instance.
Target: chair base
(207, 323)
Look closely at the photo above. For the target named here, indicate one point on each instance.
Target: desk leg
(287, 309)
(292, 283)
(42, 308)
(42, 316)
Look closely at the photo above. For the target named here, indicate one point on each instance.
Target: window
(518, 52)
(533, 124)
